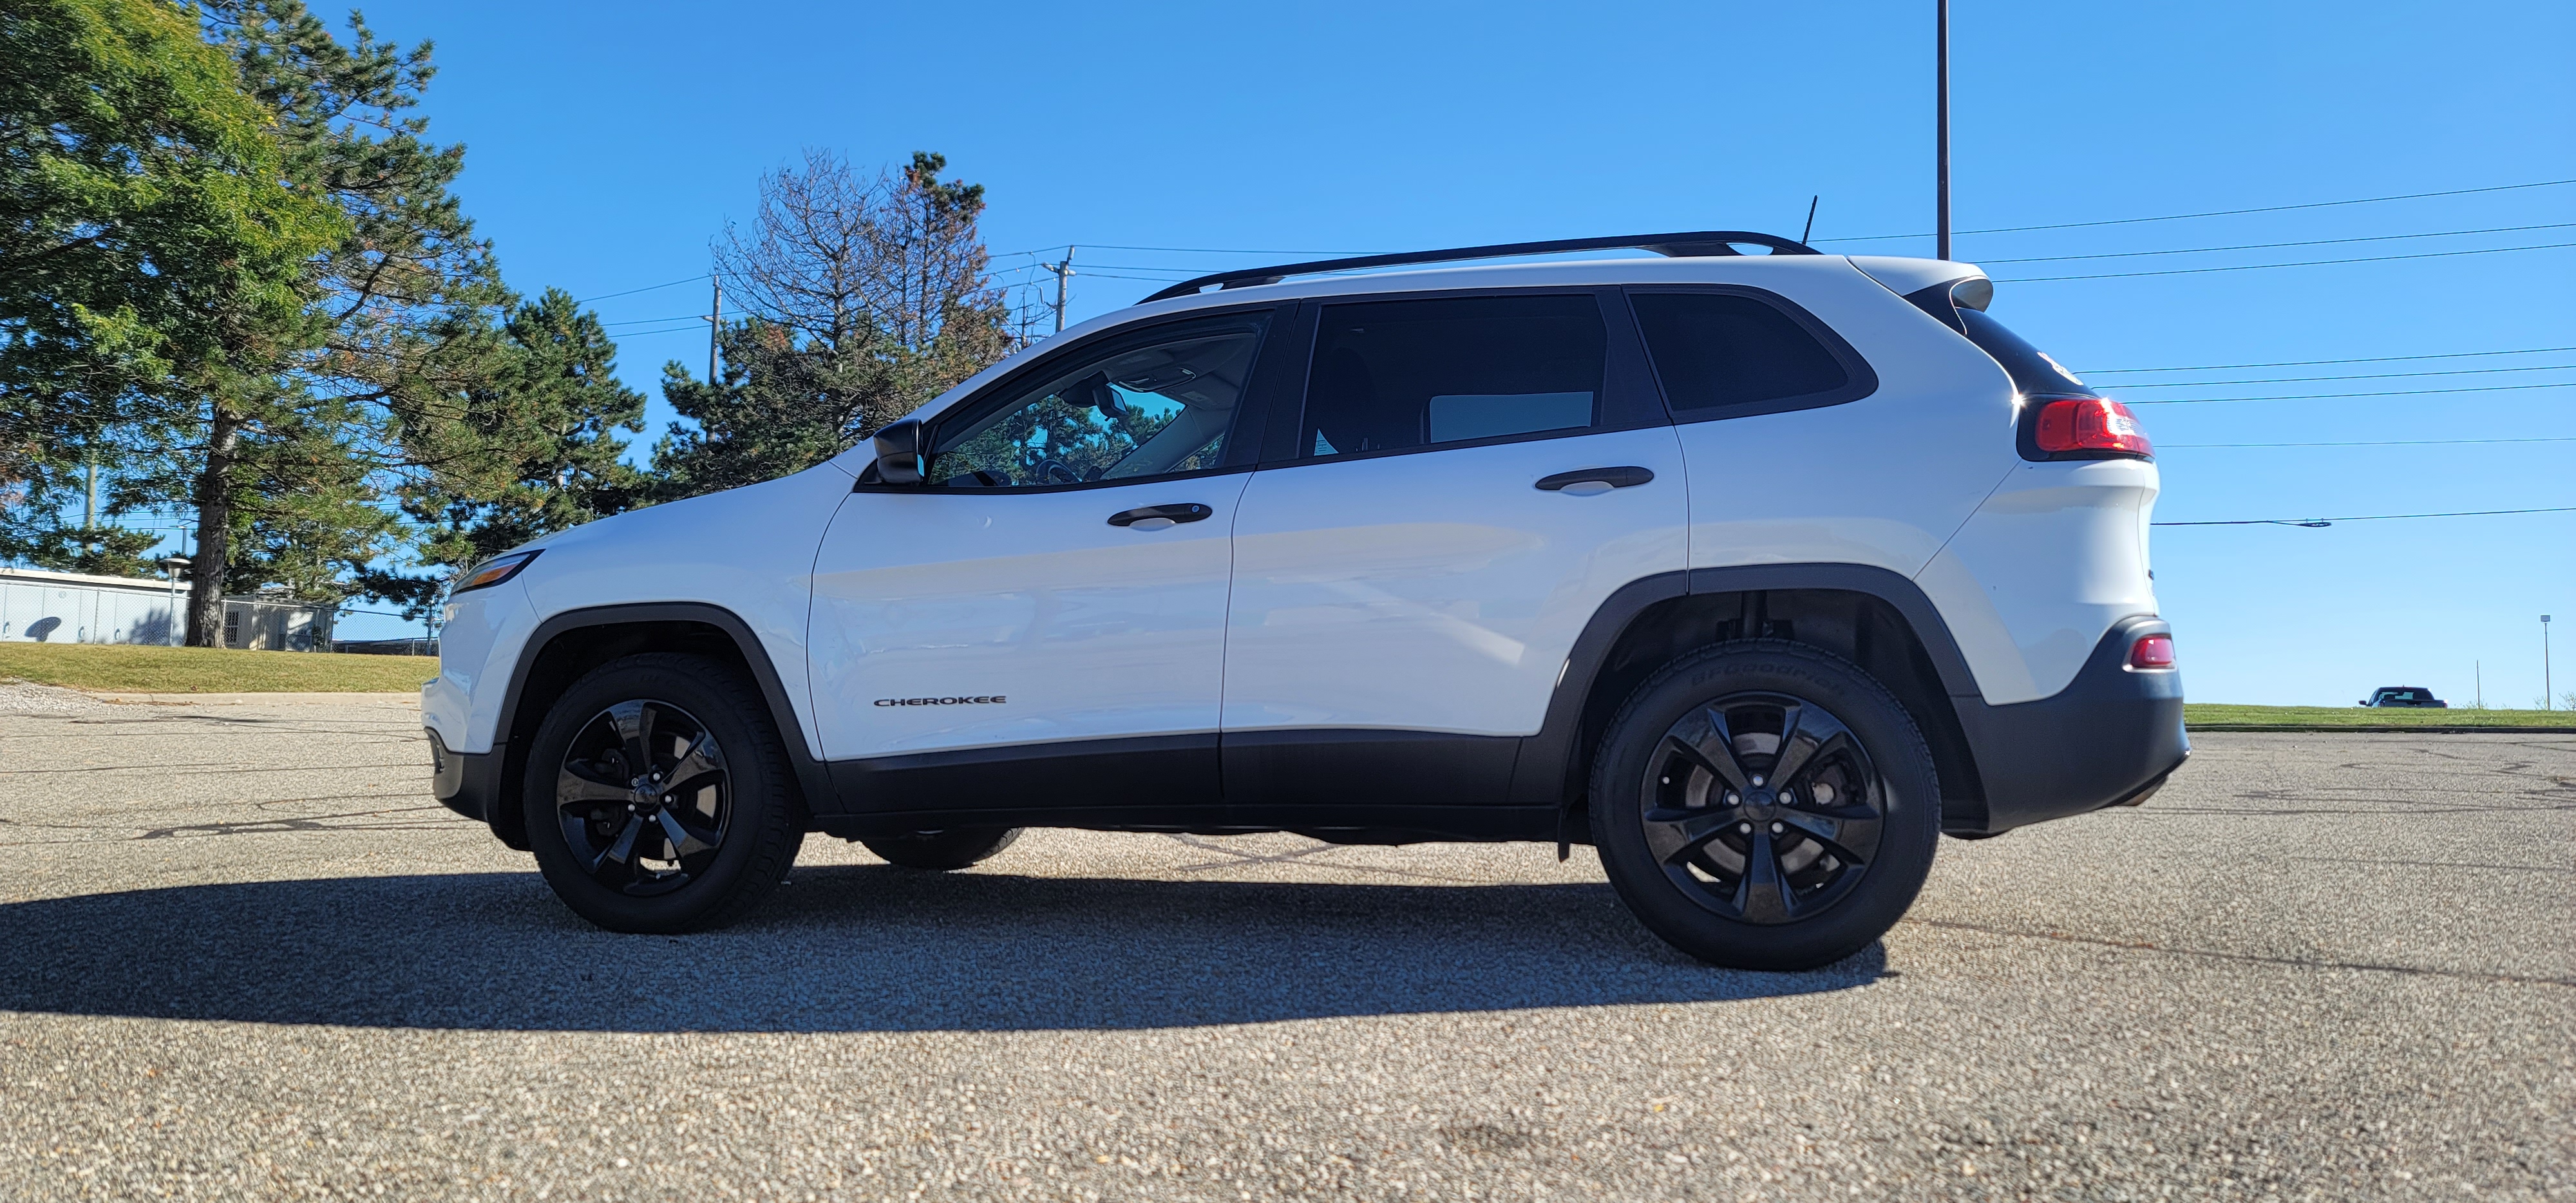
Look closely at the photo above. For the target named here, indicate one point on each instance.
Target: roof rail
(1690, 244)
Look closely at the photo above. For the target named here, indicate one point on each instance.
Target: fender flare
(1546, 772)
(811, 777)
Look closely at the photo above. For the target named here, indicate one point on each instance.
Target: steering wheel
(1054, 471)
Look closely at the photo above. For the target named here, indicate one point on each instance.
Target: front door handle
(1159, 517)
(1586, 482)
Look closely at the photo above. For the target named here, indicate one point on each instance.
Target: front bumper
(464, 782)
(2110, 737)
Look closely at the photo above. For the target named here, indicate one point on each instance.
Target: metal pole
(715, 326)
(1941, 132)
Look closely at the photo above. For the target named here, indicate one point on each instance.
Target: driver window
(1152, 407)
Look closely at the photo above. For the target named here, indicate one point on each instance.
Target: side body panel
(1882, 481)
(748, 551)
(1084, 629)
(1438, 591)
(2049, 562)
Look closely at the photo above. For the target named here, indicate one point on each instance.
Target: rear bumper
(464, 782)
(2110, 737)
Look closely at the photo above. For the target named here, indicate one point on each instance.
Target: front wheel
(658, 796)
(1765, 805)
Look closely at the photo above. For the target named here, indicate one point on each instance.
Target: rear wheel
(658, 796)
(954, 848)
(1765, 805)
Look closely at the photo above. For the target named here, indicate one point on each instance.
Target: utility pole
(1063, 272)
(2548, 701)
(715, 325)
(1941, 124)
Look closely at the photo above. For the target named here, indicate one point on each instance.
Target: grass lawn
(2217, 716)
(129, 668)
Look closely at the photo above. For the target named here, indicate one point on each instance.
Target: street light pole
(1941, 128)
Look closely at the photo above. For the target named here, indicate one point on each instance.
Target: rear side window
(1391, 375)
(1724, 354)
(2033, 373)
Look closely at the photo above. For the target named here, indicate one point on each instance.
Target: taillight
(2088, 428)
(2152, 651)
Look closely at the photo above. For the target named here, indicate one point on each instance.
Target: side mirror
(899, 457)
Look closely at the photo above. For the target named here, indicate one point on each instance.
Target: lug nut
(1731, 799)
(1776, 829)
(1746, 828)
(1757, 779)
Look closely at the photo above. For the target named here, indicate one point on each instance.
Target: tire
(954, 848)
(1722, 862)
(699, 856)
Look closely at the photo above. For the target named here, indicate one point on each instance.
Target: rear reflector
(2152, 651)
(2091, 424)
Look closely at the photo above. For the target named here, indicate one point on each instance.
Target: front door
(1472, 478)
(1042, 623)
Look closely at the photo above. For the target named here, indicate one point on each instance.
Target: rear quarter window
(1722, 354)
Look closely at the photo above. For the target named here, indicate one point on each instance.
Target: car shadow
(853, 948)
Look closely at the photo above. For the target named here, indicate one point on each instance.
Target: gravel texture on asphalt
(244, 954)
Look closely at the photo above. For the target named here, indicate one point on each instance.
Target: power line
(647, 288)
(2560, 509)
(2126, 221)
(2265, 246)
(2308, 363)
(2385, 443)
(2402, 392)
(2546, 367)
(2247, 267)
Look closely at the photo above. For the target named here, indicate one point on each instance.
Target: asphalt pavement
(244, 955)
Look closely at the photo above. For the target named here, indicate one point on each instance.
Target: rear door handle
(1587, 482)
(1158, 517)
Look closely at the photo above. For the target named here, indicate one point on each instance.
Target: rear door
(1468, 478)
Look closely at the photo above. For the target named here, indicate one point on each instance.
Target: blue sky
(607, 144)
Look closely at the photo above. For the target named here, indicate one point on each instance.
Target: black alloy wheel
(1762, 808)
(643, 798)
(659, 796)
(1763, 804)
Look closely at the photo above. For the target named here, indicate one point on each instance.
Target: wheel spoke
(1677, 835)
(684, 841)
(702, 758)
(577, 785)
(634, 722)
(1808, 736)
(1762, 894)
(1850, 831)
(623, 851)
(1712, 747)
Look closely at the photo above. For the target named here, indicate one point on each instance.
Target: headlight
(496, 570)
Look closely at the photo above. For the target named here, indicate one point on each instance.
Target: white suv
(1757, 572)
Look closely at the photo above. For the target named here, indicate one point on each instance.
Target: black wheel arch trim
(498, 807)
(2107, 737)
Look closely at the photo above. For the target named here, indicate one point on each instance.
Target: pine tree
(152, 244)
(534, 448)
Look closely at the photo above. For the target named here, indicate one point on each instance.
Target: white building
(37, 606)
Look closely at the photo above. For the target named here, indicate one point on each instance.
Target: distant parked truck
(2405, 695)
(38, 606)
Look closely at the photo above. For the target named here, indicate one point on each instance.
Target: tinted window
(1396, 374)
(1149, 407)
(1714, 350)
(2033, 372)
